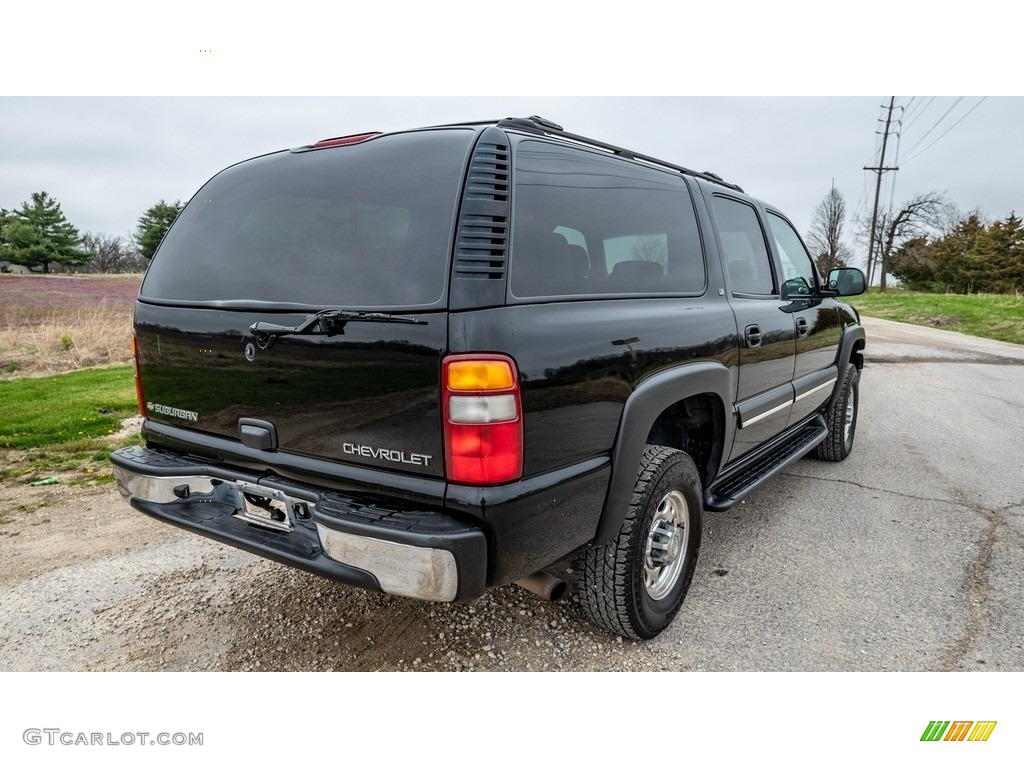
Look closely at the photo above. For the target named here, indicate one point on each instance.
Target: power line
(954, 125)
(921, 112)
(936, 124)
(924, 108)
(873, 160)
(863, 193)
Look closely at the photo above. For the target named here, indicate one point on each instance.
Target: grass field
(46, 410)
(64, 424)
(52, 323)
(998, 317)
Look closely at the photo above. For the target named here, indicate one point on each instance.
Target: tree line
(927, 244)
(39, 237)
(973, 257)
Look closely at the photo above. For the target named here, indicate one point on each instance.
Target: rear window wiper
(327, 322)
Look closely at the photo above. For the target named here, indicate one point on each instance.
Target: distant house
(17, 269)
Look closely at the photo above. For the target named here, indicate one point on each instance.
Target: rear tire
(634, 585)
(842, 419)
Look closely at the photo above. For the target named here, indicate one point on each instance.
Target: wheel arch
(851, 347)
(851, 350)
(655, 406)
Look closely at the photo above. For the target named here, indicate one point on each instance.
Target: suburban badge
(177, 413)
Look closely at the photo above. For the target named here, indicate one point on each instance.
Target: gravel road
(907, 556)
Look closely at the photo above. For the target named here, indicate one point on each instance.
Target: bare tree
(650, 248)
(826, 234)
(111, 254)
(923, 215)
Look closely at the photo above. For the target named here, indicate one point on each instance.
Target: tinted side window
(796, 263)
(587, 223)
(746, 253)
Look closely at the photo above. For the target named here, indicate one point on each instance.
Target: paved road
(907, 556)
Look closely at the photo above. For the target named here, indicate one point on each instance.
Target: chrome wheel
(851, 413)
(634, 585)
(666, 545)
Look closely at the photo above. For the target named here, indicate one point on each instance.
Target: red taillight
(139, 395)
(341, 141)
(483, 419)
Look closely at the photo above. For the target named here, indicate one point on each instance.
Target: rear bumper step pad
(370, 543)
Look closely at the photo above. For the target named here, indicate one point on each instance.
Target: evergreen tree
(1002, 251)
(913, 264)
(952, 255)
(153, 224)
(39, 235)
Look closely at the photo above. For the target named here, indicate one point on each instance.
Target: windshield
(360, 226)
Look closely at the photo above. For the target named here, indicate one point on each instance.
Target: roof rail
(535, 124)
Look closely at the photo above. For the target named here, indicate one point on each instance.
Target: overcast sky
(109, 154)
(107, 159)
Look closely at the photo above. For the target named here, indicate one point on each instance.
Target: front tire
(634, 585)
(842, 419)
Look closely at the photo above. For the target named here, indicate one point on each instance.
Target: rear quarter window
(586, 223)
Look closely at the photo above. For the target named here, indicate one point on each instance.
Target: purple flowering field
(27, 300)
(55, 323)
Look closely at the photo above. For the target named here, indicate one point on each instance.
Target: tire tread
(833, 447)
(606, 593)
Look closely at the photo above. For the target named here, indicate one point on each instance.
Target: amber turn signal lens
(479, 375)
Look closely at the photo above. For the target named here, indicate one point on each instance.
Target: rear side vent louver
(482, 246)
(488, 173)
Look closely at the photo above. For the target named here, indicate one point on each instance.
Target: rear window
(586, 223)
(361, 226)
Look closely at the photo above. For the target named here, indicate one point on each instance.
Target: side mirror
(847, 281)
(796, 288)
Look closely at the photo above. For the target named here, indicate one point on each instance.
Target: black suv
(440, 360)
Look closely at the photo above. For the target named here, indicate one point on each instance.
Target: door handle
(802, 328)
(752, 333)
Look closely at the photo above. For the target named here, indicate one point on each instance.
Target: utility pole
(878, 192)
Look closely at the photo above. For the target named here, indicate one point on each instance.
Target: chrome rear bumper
(422, 554)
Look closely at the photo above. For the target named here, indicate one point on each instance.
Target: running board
(754, 470)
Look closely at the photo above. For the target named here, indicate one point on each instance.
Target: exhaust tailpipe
(544, 585)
